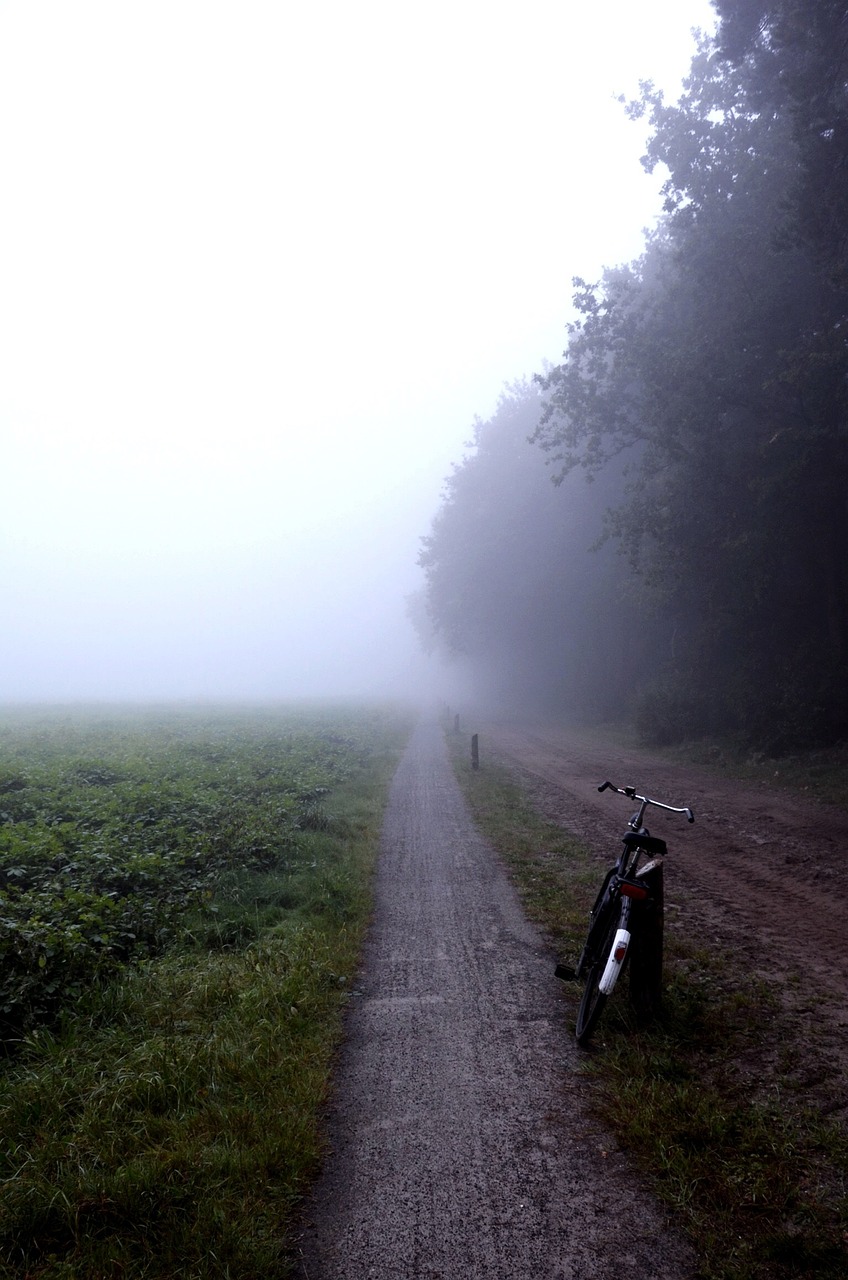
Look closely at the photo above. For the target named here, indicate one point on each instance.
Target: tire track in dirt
(460, 1143)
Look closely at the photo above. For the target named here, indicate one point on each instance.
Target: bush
(672, 712)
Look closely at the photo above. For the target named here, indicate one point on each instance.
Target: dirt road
(763, 872)
(460, 1146)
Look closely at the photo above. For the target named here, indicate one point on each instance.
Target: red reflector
(634, 891)
(621, 951)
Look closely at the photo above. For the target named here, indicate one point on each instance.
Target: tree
(794, 55)
(713, 368)
(515, 591)
(703, 392)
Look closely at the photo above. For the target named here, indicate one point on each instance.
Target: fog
(261, 265)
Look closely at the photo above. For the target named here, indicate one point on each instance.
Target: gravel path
(460, 1143)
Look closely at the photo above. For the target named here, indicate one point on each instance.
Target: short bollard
(475, 753)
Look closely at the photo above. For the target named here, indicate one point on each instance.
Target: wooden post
(456, 724)
(475, 753)
(646, 950)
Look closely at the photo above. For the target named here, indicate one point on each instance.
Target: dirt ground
(762, 872)
(460, 1140)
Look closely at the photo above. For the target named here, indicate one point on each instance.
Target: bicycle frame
(621, 885)
(626, 883)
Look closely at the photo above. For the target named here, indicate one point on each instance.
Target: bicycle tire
(593, 999)
(598, 926)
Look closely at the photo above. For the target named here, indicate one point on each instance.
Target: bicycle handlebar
(631, 794)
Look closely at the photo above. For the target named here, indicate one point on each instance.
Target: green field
(183, 895)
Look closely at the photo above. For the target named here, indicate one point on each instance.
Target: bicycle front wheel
(593, 999)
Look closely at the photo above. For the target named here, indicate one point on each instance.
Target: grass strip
(713, 1101)
(169, 1123)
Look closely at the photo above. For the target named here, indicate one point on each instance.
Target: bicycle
(628, 907)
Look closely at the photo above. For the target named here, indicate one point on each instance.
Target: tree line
(688, 563)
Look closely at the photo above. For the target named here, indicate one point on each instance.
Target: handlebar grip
(605, 785)
(690, 817)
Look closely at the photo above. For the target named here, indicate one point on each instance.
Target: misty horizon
(259, 281)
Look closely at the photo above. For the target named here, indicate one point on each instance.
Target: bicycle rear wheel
(593, 999)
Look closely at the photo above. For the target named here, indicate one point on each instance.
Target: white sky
(260, 266)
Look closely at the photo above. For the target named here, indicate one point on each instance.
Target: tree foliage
(704, 389)
(794, 54)
(515, 591)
